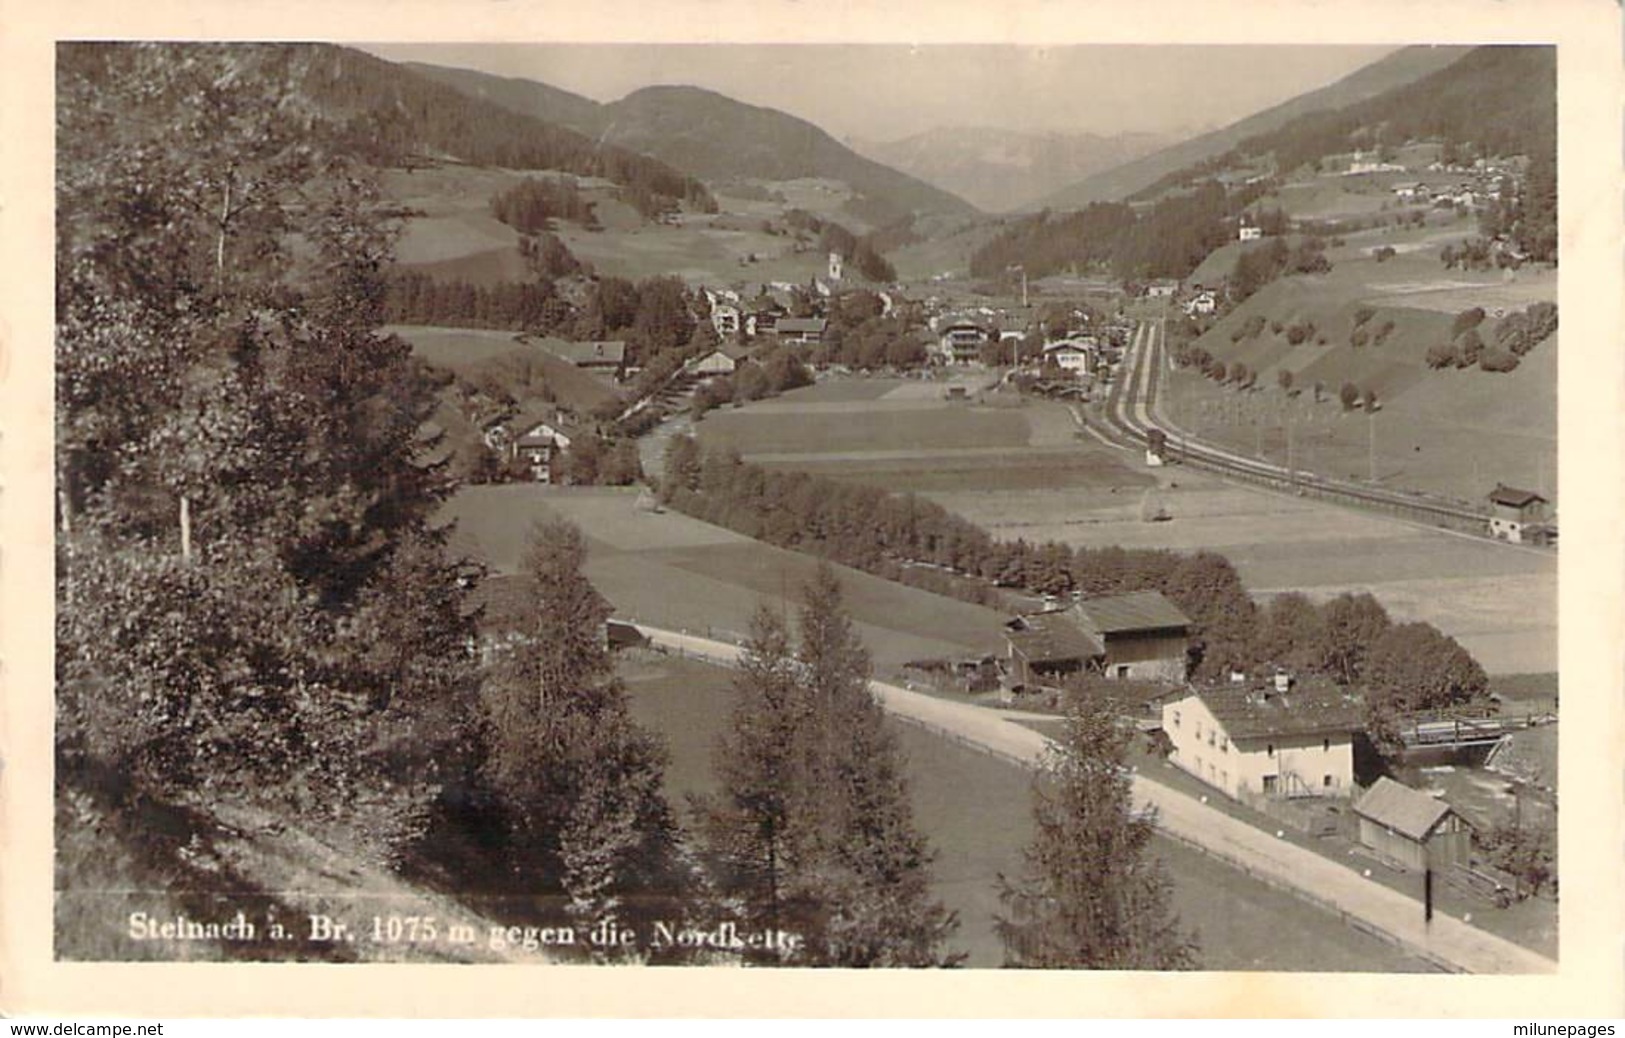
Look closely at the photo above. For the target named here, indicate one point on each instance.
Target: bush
(1359, 337)
(1348, 395)
(1251, 329)
(1298, 333)
(1467, 319)
(1441, 355)
(1468, 348)
(1275, 327)
(1363, 314)
(1386, 253)
(1382, 333)
(1542, 319)
(1494, 359)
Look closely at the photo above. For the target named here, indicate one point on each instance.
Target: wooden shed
(1412, 829)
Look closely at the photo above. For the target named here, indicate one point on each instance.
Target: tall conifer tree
(1091, 896)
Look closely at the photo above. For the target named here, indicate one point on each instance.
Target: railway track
(1131, 412)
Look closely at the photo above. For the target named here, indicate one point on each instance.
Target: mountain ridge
(1395, 70)
(712, 136)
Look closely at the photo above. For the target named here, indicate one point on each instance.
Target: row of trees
(905, 538)
(1514, 335)
(892, 535)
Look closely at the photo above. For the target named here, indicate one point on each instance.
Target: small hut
(1411, 828)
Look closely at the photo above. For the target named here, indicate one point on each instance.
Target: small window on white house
(1224, 745)
(1269, 750)
(1327, 782)
(1326, 745)
(1176, 718)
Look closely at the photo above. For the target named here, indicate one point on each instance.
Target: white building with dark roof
(1517, 515)
(1274, 740)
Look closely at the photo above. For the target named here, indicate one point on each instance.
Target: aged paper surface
(1591, 567)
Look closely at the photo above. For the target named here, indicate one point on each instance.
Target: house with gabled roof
(1073, 355)
(1517, 515)
(1277, 739)
(1046, 647)
(960, 338)
(1143, 636)
(805, 331)
(720, 361)
(1412, 829)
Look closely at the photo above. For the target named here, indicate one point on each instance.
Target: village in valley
(1225, 489)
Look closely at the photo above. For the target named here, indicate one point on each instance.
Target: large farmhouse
(1143, 636)
(1274, 740)
(1140, 636)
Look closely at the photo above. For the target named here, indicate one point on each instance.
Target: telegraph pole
(1371, 428)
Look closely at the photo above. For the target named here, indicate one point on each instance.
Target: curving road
(1447, 942)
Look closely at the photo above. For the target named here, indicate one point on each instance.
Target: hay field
(1499, 601)
(672, 571)
(767, 430)
(1452, 294)
(1033, 469)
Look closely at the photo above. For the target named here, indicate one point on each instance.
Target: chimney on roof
(1237, 677)
(1283, 682)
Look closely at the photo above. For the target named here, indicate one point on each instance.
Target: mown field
(460, 350)
(769, 430)
(676, 572)
(1501, 602)
(975, 809)
(1498, 601)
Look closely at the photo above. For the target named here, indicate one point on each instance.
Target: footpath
(1446, 942)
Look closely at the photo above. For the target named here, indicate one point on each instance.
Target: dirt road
(1447, 942)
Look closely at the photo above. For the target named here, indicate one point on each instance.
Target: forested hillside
(1495, 101)
(715, 137)
(1403, 66)
(1499, 100)
(385, 114)
(1167, 240)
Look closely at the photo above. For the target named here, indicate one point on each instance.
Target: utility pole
(1371, 427)
(1291, 472)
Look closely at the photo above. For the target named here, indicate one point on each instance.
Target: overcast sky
(885, 92)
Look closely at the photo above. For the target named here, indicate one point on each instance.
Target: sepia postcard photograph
(824, 501)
